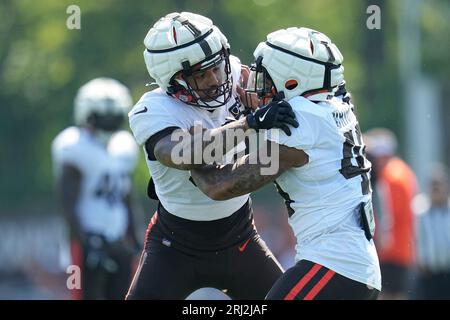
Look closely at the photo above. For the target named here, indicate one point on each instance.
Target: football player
(93, 162)
(323, 175)
(192, 240)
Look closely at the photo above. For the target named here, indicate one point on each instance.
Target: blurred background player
(394, 185)
(193, 241)
(432, 211)
(93, 162)
(323, 175)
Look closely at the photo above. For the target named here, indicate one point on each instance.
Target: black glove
(277, 114)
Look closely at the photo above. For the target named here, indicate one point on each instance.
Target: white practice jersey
(324, 195)
(155, 111)
(105, 177)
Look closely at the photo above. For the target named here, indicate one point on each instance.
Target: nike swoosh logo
(243, 246)
(140, 111)
(261, 118)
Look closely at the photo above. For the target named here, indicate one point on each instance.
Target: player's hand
(245, 72)
(249, 99)
(277, 114)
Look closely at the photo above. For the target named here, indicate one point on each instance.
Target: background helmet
(102, 103)
(297, 61)
(180, 44)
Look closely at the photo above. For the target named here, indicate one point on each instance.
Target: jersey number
(111, 189)
(353, 149)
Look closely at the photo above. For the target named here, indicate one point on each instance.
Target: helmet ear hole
(291, 84)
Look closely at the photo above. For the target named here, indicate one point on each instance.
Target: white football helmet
(181, 44)
(380, 142)
(102, 103)
(296, 61)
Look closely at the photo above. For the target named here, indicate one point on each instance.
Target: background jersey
(155, 111)
(105, 177)
(395, 188)
(323, 196)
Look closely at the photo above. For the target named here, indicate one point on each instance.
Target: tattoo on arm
(231, 134)
(231, 180)
(242, 177)
(227, 137)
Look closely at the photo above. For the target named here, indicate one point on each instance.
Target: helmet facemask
(301, 62)
(109, 122)
(189, 87)
(260, 89)
(105, 125)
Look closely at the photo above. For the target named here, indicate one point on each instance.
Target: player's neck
(100, 136)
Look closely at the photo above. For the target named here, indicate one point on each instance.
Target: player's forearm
(69, 186)
(190, 150)
(69, 211)
(131, 230)
(249, 172)
(216, 143)
(175, 153)
(232, 180)
(230, 134)
(74, 224)
(198, 147)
